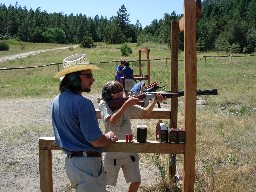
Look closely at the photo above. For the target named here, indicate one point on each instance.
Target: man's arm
(118, 114)
(105, 139)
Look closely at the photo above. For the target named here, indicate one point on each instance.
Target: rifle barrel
(117, 103)
(170, 94)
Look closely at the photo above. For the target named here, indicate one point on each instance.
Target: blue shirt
(128, 72)
(75, 122)
(137, 88)
(118, 74)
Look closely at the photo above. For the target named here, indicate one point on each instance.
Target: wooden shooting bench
(47, 144)
(140, 76)
(187, 24)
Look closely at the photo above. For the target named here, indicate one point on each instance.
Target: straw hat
(75, 63)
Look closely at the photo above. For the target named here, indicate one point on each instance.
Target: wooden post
(174, 71)
(147, 50)
(45, 170)
(148, 66)
(140, 71)
(190, 85)
(174, 88)
(204, 60)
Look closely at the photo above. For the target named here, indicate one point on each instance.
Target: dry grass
(225, 157)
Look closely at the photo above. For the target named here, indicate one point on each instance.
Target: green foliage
(251, 40)
(235, 48)
(240, 111)
(125, 50)
(4, 46)
(113, 33)
(54, 35)
(232, 159)
(87, 42)
(225, 26)
(228, 25)
(39, 26)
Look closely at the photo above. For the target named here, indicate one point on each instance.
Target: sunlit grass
(225, 156)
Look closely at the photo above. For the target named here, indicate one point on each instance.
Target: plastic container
(164, 133)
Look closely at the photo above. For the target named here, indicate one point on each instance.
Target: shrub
(87, 42)
(4, 46)
(54, 35)
(125, 50)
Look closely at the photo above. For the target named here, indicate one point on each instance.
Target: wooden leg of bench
(45, 170)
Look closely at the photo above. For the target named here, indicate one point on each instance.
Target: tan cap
(75, 63)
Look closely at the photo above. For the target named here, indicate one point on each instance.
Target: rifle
(145, 97)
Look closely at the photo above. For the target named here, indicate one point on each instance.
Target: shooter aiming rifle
(117, 103)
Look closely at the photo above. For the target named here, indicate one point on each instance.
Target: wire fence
(100, 62)
(118, 61)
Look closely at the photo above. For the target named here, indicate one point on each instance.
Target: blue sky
(143, 10)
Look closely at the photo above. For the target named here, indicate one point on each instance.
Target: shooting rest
(187, 24)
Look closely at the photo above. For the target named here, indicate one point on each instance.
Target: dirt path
(22, 55)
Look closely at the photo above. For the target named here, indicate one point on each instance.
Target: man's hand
(159, 97)
(112, 136)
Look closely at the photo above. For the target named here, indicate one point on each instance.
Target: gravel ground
(22, 122)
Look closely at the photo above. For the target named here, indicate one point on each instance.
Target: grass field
(226, 125)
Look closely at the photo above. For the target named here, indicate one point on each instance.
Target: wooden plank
(198, 9)
(190, 84)
(140, 70)
(198, 15)
(45, 170)
(174, 72)
(148, 147)
(148, 67)
(157, 113)
(48, 143)
(174, 87)
(144, 49)
(181, 24)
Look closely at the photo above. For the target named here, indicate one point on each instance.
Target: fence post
(45, 170)
(204, 60)
(58, 67)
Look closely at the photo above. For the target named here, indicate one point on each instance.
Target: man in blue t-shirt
(119, 72)
(76, 127)
(128, 78)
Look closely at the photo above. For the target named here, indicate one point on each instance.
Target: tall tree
(113, 33)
